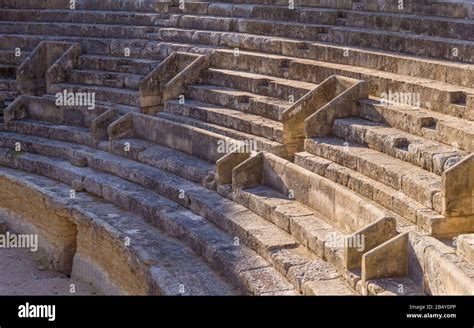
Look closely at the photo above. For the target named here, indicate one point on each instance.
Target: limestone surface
(256, 147)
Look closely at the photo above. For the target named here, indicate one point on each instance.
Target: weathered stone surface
(465, 247)
(101, 233)
(3, 226)
(389, 259)
(183, 100)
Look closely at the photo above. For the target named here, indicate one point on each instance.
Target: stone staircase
(289, 218)
(240, 105)
(114, 56)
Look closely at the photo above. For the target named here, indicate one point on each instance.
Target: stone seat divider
(344, 218)
(167, 80)
(32, 73)
(335, 91)
(323, 216)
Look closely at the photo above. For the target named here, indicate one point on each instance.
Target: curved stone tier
(242, 147)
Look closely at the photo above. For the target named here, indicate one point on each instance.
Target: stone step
(173, 161)
(268, 107)
(217, 247)
(7, 84)
(291, 197)
(118, 161)
(9, 94)
(12, 41)
(159, 129)
(432, 46)
(102, 93)
(7, 71)
(258, 63)
(260, 11)
(75, 29)
(343, 208)
(295, 218)
(419, 93)
(422, 186)
(117, 64)
(170, 160)
(393, 62)
(229, 118)
(210, 242)
(118, 47)
(219, 210)
(264, 85)
(436, 96)
(318, 234)
(120, 5)
(429, 155)
(269, 240)
(435, 26)
(6, 97)
(259, 234)
(63, 132)
(450, 28)
(83, 16)
(254, 142)
(104, 78)
(391, 199)
(89, 45)
(442, 128)
(403, 286)
(46, 109)
(455, 9)
(465, 247)
(13, 57)
(100, 107)
(159, 263)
